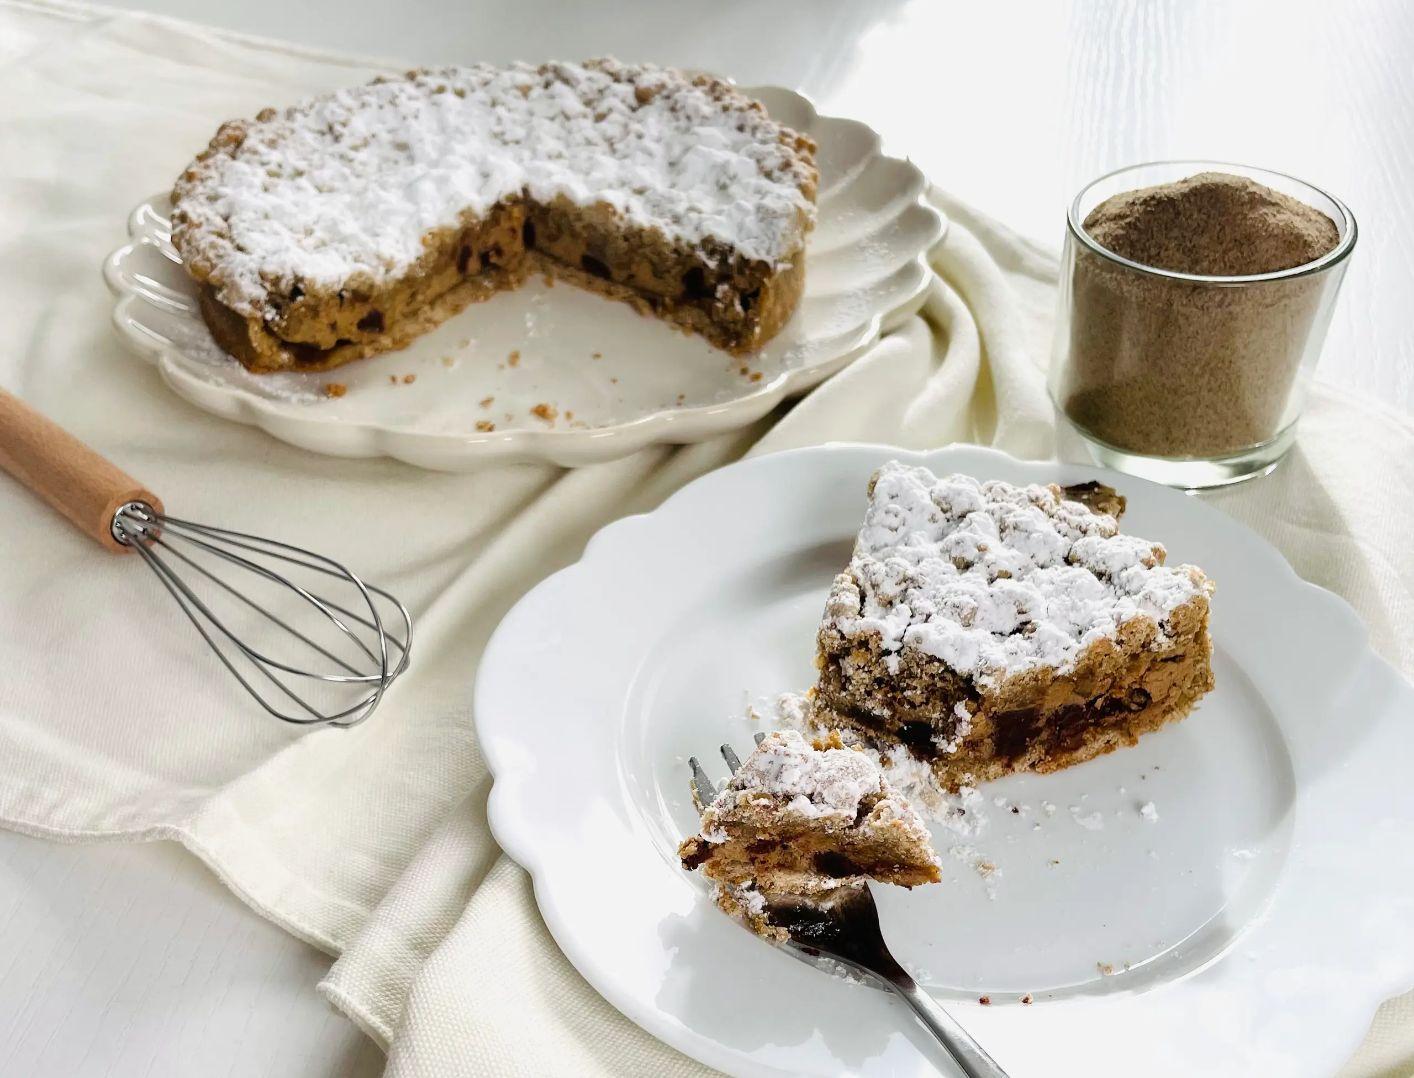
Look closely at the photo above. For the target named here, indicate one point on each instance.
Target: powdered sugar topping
(905, 774)
(994, 579)
(787, 774)
(343, 187)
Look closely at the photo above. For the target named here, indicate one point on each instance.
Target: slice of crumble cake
(800, 819)
(992, 628)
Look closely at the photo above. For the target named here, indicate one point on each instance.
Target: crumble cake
(351, 223)
(991, 628)
(801, 819)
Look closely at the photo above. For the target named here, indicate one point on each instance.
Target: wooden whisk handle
(67, 474)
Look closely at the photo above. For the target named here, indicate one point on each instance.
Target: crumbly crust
(991, 628)
(346, 225)
(801, 818)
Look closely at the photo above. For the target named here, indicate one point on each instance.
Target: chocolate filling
(1063, 729)
(699, 855)
(694, 284)
(918, 736)
(835, 865)
(594, 266)
(1096, 497)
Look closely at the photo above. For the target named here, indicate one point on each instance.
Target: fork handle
(970, 1056)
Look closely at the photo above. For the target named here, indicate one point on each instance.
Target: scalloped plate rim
(510, 782)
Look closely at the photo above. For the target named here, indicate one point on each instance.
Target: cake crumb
(449, 361)
(986, 1001)
(1149, 811)
(409, 379)
(745, 370)
(486, 402)
(513, 359)
(756, 376)
(596, 355)
(1026, 999)
(1105, 968)
(485, 426)
(614, 381)
(335, 389)
(569, 414)
(393, 379)
(465, 342)
(547, 412)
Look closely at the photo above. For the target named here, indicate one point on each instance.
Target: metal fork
(843, 924)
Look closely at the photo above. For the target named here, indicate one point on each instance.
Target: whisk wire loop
(292, 554)
(277, 578)
(151, 534)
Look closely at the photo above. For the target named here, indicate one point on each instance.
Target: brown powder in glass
(1176, 368)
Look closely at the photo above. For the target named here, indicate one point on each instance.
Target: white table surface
(133, 960)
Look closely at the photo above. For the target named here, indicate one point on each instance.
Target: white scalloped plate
(618, 381)
(1251, 929)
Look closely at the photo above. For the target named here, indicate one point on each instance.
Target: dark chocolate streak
(696, 856)
(1061, 729)
(917, 737)
(835, 865)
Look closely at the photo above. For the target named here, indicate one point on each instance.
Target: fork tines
(703, 792)
(732, 759)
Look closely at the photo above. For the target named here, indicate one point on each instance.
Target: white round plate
(1252, 928)
(617, 381)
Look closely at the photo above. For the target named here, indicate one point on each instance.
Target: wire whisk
(309, 640)
(372, 662)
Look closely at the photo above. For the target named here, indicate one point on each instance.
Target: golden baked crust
(299, 271)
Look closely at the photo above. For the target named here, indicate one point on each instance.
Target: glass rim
(1331, 258)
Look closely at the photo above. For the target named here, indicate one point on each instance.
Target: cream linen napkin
(373, 842)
